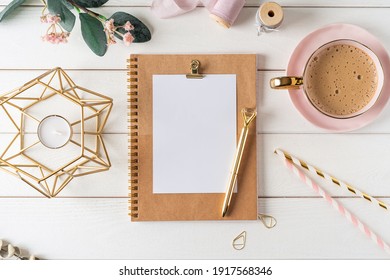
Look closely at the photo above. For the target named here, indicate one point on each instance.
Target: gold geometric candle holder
(80, 116)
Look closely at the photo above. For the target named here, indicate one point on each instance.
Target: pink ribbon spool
(224, 12)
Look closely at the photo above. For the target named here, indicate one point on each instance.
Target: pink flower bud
(109, 25)
(56, 38)
(128, 26)
(49, 18)
(128, 38)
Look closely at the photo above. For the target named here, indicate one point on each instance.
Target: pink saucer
(308, 46)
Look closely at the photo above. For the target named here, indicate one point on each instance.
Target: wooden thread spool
(270, 15)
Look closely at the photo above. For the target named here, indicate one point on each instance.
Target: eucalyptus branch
(89, 12)
(98, 31)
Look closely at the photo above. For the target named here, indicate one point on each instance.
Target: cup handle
(286, 82)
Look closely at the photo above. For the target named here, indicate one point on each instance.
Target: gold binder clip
(195, 64)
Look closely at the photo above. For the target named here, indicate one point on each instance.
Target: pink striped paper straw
(314, 170)
(337, 206)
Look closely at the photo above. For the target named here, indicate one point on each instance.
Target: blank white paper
(194, 133)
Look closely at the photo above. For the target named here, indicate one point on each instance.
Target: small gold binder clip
(195, 64)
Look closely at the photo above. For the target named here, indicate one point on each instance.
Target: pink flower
(128, 38)
(109, 25)
(56, 38)
(111, 39)
(64, 37)
(52, 36)
(44, 19)
(128, 26)
(49, 18)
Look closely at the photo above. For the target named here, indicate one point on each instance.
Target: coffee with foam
(340, 79)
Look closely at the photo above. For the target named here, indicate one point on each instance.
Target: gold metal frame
(93, 106)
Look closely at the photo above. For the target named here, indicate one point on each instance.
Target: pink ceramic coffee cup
(308, 50)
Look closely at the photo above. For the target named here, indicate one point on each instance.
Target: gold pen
(248, 115)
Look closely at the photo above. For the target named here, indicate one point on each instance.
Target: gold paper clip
(240, 241)
(195, 64)
(267, 220)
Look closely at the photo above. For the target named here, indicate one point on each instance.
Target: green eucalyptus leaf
(93, 34)
(67, 4)
(10, 8)
(57, 7)
(140, 33)
(90, 3)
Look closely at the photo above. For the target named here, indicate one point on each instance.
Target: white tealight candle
(54, 132)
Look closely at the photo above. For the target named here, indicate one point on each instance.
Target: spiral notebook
(183, 134)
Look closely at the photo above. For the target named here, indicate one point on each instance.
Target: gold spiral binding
(132, 109)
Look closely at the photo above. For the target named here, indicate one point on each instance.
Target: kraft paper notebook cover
(175, 130)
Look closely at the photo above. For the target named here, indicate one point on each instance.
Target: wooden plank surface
(205, 36)
(249, 3)
(276, 112)
(72, 228)
(89, 220)
(350, 160)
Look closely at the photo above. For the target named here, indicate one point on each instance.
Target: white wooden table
(89, 219)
